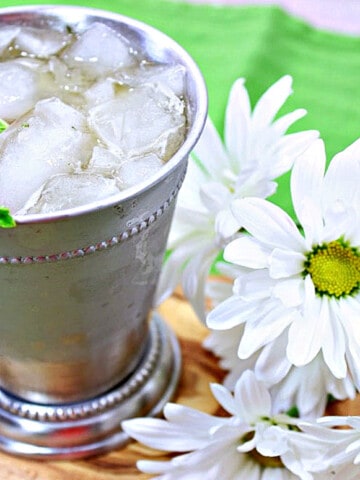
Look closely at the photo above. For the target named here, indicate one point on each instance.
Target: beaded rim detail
(103, 245)
(90, 408)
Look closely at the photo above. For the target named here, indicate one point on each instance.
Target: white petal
(188, 417)
(277, 474)
(153, 466)
(291, 461)
(224, 398)
(353, 360)
(237, 119)
(272, 442)
(308, 331)
(226, 224)
(268, 324)
(230, 313)
(247, 446)
(284, 263)
(354, 422)
(348, 314)
(218, 289)
(343, 388)
(210, 151)
(313, 223)
(229, 271)
(332, 421)
(342, 177)
(171, 272)
(306, 189)
(341, 221)
(194, 279)
(212, 460)
(334, 346)
(250, 470)
(268, 223)
(311, 390)
(247, 252)
(281, 125)
(355, 445)
(271, 102)
(216, 457)
(255, 182)
(215, 196)
(290, 292)
(184, 227)
(254, 285)
(252, 398)
(287, 149)
(162, 435)
(189, 195)
(272, 365)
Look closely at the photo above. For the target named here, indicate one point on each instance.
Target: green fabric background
(260, 44)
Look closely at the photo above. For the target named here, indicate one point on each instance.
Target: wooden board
(199, 369)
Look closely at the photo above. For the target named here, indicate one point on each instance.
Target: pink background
(341, 16)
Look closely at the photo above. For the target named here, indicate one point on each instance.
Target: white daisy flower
(341, 460)
(251, 444)
(306, 388)
(305, 287)
(256, 151)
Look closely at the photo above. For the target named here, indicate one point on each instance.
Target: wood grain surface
(199, 368)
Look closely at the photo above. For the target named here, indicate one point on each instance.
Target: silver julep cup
(80, 349)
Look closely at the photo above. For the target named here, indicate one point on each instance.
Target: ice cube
(31, 63)
(51, 139)
(71, 190)
(59, 69)
(41, 42)
(18, 89)
(7, 36)
(67, 83)
(45, 85)
(98, 51)
(60, 115)
(138, 169)
(104, 162)
(140, 121)
(171, 76)
(103, 91)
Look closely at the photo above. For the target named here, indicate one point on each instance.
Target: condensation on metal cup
(80, 349)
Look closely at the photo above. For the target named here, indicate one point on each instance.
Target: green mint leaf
(3, 125)
(6, 220)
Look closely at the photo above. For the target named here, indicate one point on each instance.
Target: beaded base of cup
(92, 427)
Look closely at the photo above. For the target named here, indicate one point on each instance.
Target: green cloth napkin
(260, 44)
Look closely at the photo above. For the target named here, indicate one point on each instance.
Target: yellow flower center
(334, 268)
